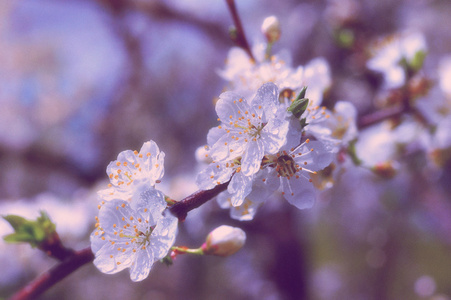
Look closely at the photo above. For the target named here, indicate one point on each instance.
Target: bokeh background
(81, 81)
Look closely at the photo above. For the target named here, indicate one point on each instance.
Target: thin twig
(181, 208)
(240, 38)
(53, 247)
(379, 116)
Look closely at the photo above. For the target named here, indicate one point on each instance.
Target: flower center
(286, 166)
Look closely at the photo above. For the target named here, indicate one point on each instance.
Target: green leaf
(417, 61)
(15, 221)
(33, 232)
(18, 238)
(302, 93)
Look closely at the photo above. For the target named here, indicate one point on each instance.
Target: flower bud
(224, 241)
(271, 29)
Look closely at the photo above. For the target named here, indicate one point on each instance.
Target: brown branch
(53, 247)
(54, 275)
(379, 116)
(240, 38)
(181, 208)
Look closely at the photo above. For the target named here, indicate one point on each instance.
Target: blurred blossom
(381, 143)
(271, 29)
(339, 128)
(445, 76)
(425, 286)
(327, 282)
(246, 76)
(390, 53)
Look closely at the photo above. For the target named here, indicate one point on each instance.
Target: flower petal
(298, 191)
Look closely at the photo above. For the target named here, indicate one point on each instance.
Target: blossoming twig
(72, 260)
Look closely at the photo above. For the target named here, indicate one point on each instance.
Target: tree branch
(181, 208)
(379, 116)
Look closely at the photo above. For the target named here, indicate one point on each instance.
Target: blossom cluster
(133, 228)
(271, 137)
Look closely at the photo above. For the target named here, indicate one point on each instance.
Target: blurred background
(81, 81)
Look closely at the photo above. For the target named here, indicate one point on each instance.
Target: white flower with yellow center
(290, 171)
(248, 131)
(133, 234)
(132, 169)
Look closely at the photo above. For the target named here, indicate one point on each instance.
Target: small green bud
(302, 93)
(417, 61)
(345, 38)
(299, 105)
(233, 33)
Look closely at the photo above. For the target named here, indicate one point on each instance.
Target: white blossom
(132, 169)
(337, 128)
(133, 234)
(390, 53)
(248, 130)
(245, 75)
